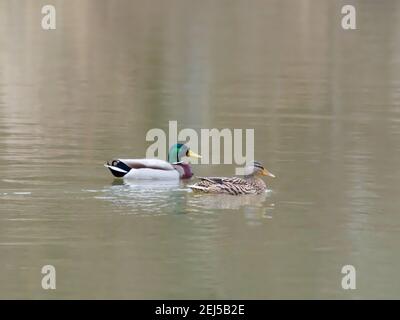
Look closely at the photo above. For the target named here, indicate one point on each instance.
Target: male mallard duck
(146, 169)
(250, 184)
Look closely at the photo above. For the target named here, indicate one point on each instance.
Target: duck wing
(230, 185)
(156, 164)
(223, 180)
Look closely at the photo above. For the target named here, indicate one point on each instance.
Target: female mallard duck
(250, 184)
(146, 169)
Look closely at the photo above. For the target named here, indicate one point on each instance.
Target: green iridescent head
(178, 151)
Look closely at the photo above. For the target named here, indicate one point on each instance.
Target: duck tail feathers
(117, 168)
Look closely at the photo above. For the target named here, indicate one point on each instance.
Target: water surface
(324, 103)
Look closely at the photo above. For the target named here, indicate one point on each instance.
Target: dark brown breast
(184, 169)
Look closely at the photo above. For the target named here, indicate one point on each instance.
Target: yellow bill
(192, 154)
(265, 172)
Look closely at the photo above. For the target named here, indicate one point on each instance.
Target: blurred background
(324, 103)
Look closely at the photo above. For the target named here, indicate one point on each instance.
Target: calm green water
(325, 106)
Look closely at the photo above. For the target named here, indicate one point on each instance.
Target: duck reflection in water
(227, 201)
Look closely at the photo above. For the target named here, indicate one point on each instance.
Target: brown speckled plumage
(250, 184)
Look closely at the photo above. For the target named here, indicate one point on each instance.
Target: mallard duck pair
(175, 168)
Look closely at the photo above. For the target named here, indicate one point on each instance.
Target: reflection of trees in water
(133, 66)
